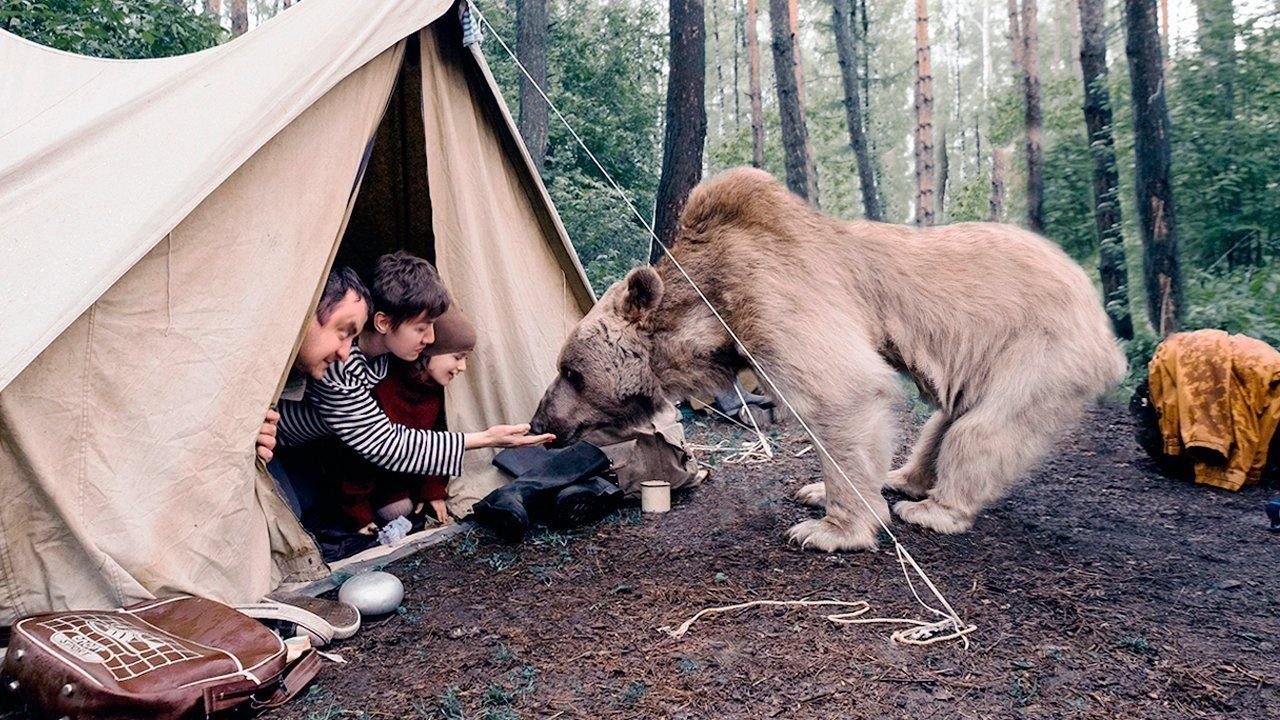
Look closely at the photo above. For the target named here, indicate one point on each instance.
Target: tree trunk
(996, 203)
(802, 176)
(924, 118)
(239, 17)
(1074, 19)
(737, 85)
(1153, 177)
(862, 33)
(531, 48)
(1015, 36)
(944, 170)
(686, 124)
(214, 8)
(715, 46)
(957, 115)
(1164, 32)
(753, 85)
(1106, 178)
(1034, 119)
(842, 20)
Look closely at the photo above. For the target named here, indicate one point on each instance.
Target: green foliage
(970, 201)
(1225, 160)
(1240, 301)
(1068, 170)
(112, 28)
(605, 67)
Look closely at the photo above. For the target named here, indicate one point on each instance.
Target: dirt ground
(1099, 589)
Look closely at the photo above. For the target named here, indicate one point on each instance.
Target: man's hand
(267, 436)
(506, 436)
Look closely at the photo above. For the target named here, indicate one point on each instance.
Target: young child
(412, 395)
(407, 298)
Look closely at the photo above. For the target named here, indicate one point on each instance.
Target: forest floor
(1098, 589)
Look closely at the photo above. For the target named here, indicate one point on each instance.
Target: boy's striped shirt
(342, 405)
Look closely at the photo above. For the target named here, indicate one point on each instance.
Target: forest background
(913, 112)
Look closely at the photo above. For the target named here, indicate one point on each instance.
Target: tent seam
(84, 437)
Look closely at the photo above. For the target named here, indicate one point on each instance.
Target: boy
(412, 395)
(407, 297)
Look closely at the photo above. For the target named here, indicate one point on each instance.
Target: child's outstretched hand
(506, 436)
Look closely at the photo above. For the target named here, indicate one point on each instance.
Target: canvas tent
(165, 228)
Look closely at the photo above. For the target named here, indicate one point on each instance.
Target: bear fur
(1003, 333)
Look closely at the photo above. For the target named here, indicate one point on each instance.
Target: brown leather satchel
(171, 658)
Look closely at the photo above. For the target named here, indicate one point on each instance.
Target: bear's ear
(641, 295)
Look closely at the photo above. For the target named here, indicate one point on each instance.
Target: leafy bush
(129, 29)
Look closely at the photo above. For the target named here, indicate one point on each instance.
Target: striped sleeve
(343, 401)
(299, 423)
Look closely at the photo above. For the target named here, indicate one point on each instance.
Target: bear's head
(605, 378)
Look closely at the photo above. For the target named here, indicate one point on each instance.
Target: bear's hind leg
(981, 454)
(918, 474)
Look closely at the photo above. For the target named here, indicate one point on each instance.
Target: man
(339, 318)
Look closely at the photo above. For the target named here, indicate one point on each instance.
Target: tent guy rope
(949, 625)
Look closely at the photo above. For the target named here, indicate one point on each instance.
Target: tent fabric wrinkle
(87, 141)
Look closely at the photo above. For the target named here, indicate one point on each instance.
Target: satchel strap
(227, 695)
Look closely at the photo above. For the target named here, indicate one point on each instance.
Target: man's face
(328, 342)
(407, 340)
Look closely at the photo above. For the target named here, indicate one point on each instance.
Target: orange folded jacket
(1218, 397)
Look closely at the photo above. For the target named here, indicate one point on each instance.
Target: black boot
(510, 510)
(585, 501)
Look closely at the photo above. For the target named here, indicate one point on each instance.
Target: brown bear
(1002, 332)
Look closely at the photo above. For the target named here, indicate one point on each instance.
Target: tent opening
(392, 209)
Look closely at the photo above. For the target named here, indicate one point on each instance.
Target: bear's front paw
(813, 494)
(826, 536)
(933, 515)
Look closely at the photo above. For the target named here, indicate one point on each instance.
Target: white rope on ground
(920, 632)
(949, 626)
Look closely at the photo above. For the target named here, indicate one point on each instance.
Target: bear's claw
(826, 536)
